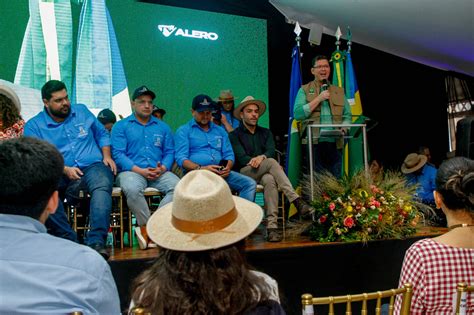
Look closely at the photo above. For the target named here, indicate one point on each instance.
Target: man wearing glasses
(318, 102)
(143, 148)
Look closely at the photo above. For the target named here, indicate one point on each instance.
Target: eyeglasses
(322, 67)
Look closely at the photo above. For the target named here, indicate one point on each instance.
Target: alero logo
(168, 30)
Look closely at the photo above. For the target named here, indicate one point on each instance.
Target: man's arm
(168, 150)
(303, 110)
(108, 161)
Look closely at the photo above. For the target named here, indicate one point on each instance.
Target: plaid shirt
(434, 270)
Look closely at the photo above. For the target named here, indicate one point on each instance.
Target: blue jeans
(97, 180)
(133, 186)
(244, 185)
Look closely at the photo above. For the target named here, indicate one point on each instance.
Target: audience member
(201, 268)
(107, 118)
(376, 171)
(85, 146)
(201, 144)
(11, 123)
(426, 152)
(158, 112)
(143, 148)
(254, 150)
(41, 273)
(226, 105)
(319, 102)
(419, 173)
(435, 266)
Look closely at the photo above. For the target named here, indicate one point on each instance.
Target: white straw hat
(203, 215)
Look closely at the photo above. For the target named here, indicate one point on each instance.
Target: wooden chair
(308, 301)
(461, 298)
(281, 206)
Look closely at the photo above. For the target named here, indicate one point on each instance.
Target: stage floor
(255, 242)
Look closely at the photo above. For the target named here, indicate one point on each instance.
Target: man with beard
(143, 147)
(254, 150)
(85, 146)
(201, 144)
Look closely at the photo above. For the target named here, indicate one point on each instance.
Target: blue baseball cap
(202, 103)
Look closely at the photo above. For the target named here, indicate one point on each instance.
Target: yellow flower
(363, 193)
(407, 208)
(349, 208)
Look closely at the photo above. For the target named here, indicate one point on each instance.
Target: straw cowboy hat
(247, 101)
(8, 92)
(413, 162)
(203, 215)
(226, 95)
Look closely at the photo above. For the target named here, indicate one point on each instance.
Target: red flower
(332, 206)
(380, 217)
(349, 222)
(322, 219)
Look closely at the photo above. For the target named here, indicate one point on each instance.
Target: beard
(63, 112)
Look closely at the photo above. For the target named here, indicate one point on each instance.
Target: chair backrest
(308, 301)
(461, 297)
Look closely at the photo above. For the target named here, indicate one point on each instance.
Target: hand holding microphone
(324, 93)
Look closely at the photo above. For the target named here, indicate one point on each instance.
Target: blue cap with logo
(143, 90)
(202, 103)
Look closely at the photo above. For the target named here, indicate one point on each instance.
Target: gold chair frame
(462, 290)
(308, 301)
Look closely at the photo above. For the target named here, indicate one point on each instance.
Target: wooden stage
(300, 265)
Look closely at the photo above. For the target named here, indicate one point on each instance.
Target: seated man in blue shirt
(201, 144)
(143, 148)
(85, 146)
(41, 273)
(420, 173)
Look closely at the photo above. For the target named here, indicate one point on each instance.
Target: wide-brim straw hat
(203, 215)
(413, 162)
(10, 93)
(247, 101)
(226, 95)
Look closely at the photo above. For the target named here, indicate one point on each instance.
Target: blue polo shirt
(204, 147)
(79, 137)
(142, 145)
(234, 122)
(426, 181)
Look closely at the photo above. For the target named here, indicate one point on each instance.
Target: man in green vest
(254, 150)
(318, 102)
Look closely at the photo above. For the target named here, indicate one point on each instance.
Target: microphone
(325, 85)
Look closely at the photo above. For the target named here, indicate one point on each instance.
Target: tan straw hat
(247, 101)
(226, 95)
(10, 93)
(413, 162)
(203, 215)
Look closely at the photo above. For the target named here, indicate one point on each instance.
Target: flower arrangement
(356, 209)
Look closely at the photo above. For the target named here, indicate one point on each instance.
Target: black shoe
(101, 250)
(304, 210)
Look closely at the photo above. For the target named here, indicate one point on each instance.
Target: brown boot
(304, 209)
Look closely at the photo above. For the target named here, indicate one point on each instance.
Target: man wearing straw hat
(417, 171)
(201, 144)
(254, 150)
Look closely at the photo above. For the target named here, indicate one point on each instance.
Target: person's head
(56, 99)
(249, 111)
(200, 265)
(158, 112)
(30, 170)
(142, 102)
(455, 185)
(320, 68)
(413, 163)
(202, 108)
(226, 100)
(425, 151)
(375, 166)
(10, 107)
(107, 118)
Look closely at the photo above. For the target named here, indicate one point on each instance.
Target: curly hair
(8, 111)
(207, 282)
(455, 183)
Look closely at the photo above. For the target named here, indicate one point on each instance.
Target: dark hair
(455, 183)
(317, 58)
(50, 87)
(205, 282)
(30, 170)
(8, 111)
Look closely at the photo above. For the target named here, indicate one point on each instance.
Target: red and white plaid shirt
(434, 270)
